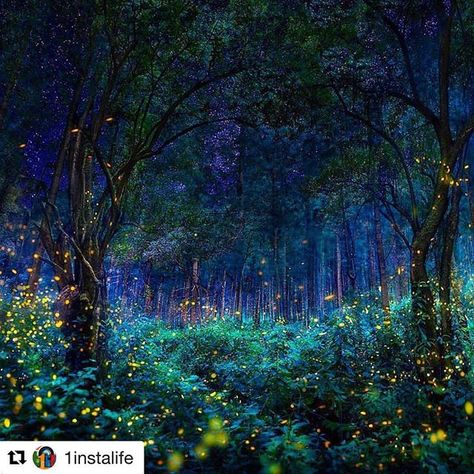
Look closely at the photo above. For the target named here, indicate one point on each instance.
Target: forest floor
(336, 397)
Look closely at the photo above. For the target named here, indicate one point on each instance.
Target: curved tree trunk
(422, 294)
(34, 275)
(82, 306)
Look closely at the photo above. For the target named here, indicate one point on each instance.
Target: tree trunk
(381, 260)
(238, 296)
(195, 293)
(52, 194)
(338, 271)
(310, 263)
(148, 288)
(350, 253)
(322, 275)
(82, 307)
(422, 295)
(223, 294)
(371, 280)
(256, 313)
(401, 265)
(445, 273)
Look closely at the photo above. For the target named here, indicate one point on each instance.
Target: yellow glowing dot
(201, 451)
(175, 462)
(274, 469)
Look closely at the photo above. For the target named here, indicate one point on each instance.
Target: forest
(240, 231)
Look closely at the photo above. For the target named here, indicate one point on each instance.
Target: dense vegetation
(240, 231)
(337, 396)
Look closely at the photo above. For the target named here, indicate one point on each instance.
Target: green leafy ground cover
(336, 397)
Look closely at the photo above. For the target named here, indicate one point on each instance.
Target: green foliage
(334, 397)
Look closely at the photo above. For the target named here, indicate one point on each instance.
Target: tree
(383, 61)
(147, 86)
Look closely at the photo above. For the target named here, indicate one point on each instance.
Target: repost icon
(17, 457)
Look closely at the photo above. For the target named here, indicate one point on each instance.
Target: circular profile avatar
(44, 457)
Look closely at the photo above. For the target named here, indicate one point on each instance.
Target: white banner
(72, 457)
